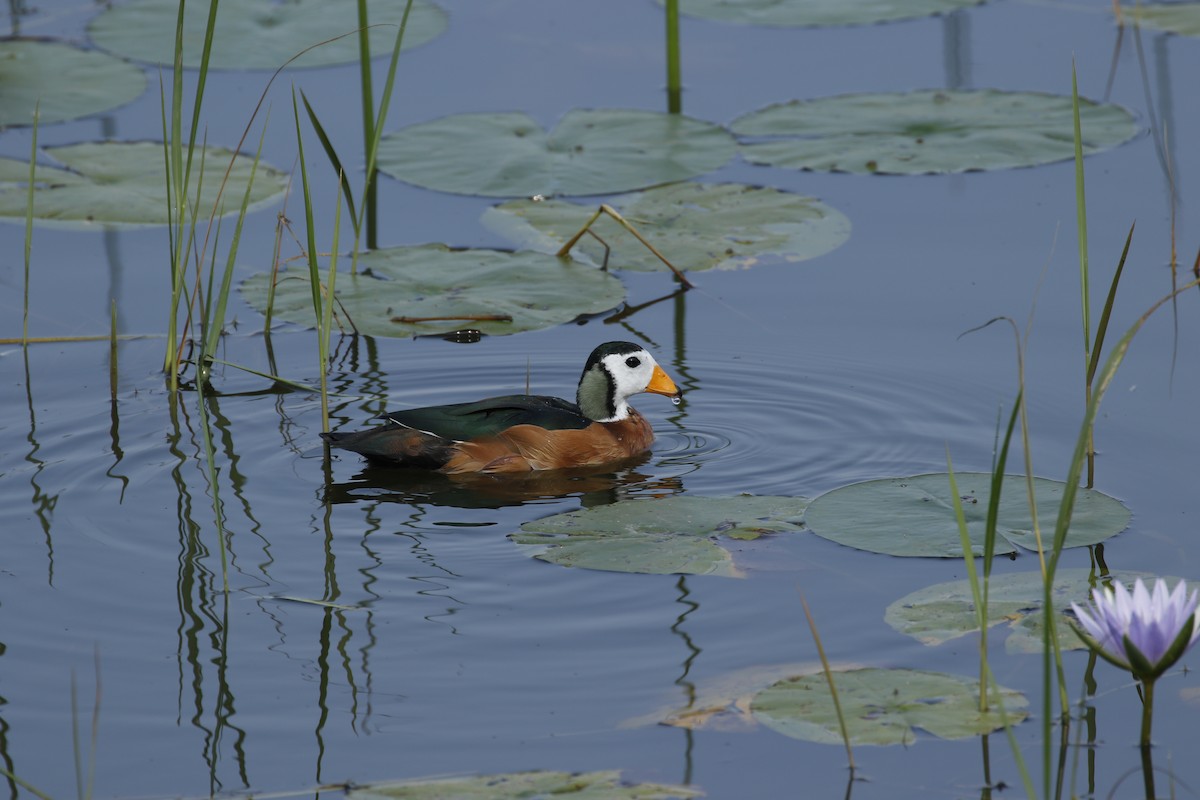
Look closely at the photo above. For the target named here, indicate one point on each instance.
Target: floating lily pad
(432, 289)
(665, 536)
(1181, 18)
(722, 702)
(789, 13)
(61, 81)
(260, 34)
(928, 131)
(882, 706)
(590, 151)
(604, 785)
(945, 611)
(697, 226)
(122, 184)
(914, 516)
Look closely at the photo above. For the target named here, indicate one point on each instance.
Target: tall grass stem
(29, 223)
(837, 705)
(674, 72)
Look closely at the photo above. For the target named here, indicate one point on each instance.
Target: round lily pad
(928, 131)
(590, 151)
(660, 537)
(433, 289)
(1181, 18)
(61, 81)
(914, 516)
(788, 13)
(697, 226)
(603, 785)
(122, 184)
(260, 34)
(882, 706)
(945, 611)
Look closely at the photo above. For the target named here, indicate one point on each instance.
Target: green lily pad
(449, 289)
(590, 151)
(914, 516)
(260, 34)
(945, 611)
(882, 706)
(61, 81)
(604, 785)
(928, 131)
(722, 702)
(660, 537)
(1181, 18)
(122, 184)
(788, 13)
(697, 226)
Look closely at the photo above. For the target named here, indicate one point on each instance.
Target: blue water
(450, 650)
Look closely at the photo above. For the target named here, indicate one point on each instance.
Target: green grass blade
(375, 132)
(1081, 219)
(368, 113)
(222, 298)
(993, 510)
(1102, 327)
(674, 74)
(313, 272)
(27, 787)
(326, 324)
(331, 153)
(837, 705)
(29, 223)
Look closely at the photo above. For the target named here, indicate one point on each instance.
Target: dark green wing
(466, 421)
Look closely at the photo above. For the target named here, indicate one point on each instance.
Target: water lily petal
(1146, 630)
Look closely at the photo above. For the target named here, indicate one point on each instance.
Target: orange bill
(661, 383)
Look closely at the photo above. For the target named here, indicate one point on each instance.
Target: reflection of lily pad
(670, 535)
(882, 706)
(696, 225)
(606, 785)
(64, 82)
(450, 290)
(122, 184)
(1181, 18)
(818, 12)
(260, 34)
(914, 516)
(946, 611)
(588, 152)
(928, 131)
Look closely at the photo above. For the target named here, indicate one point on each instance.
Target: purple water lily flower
(1144, 632)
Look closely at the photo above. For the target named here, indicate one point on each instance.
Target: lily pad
(1181, 18)
(928, 131)
(914, 516)
(697, 226)
(660, 537)
(603, 785)
(433, 289)
(260, 34)
(122, 184)
(882, 706)
(789, 13)
(722, 702)
(590, 151)
(61, 81)
(945, 611)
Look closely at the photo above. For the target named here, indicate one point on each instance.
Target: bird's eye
(633, 362)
